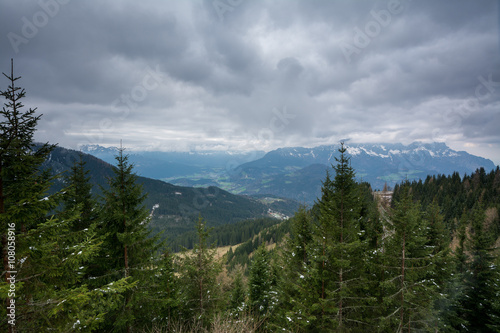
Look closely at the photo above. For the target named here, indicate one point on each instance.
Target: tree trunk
(125, 248)
(125, 254)
(323, 280)
(341, 273)
(403, 281)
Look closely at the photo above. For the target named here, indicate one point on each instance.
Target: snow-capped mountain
(392, 151)
(297, 172)
(96, 149)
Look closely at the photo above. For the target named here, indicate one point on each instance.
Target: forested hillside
(458, 196)
(73, 262)
(174, 209)
(463, 213)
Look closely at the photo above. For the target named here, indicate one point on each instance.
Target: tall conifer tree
(480, 277)
(321, 308)
(409, 288)
(259, 282)
(44, 260)
(199, 269)
(237, 301)
(342, 251)
(79, 195)
(296, 278)
(128, 249)
(348, 247)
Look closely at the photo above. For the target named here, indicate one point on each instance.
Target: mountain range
(165, 165)
(174, 209)
(297, 172)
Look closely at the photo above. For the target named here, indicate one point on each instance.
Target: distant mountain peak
(92, 149)
(388, 150)
(286, 171)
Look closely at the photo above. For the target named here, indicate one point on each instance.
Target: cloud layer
(241, 74)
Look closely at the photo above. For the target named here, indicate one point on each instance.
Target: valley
(176, 208)
(297, 173)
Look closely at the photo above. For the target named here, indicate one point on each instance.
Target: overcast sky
(258, 75)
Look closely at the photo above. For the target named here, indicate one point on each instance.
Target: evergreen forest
(424, 261)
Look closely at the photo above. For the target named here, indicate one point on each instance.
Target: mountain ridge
(297, 172)
(378, 164)
(173, 208)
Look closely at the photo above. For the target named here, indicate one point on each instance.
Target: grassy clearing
(219, 251)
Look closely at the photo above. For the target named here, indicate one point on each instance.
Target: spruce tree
(128, 250)
(301, 238)
(158, 301)
(321, 309)
(44, 261)
(371, 231)
(125, 218)
(168, 289)
(21, 185)
(450, 307)
(238, 297)
(409, 291)
(259, 282)
(199, 269)
(438, 241)
(348, 250)
(79, 194)
(18, 175)
(295, 285)
(339, 251)
(480, 277)
(494, 315)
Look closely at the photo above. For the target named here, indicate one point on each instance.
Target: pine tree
(295, 274)
(480, 278)
(371, 231)
(321, 308)
(169, 289)
(125, 218)
(438, 242)
(159, 299)
(43, 259)
(259, 282)
(339, 251)
(21, 185)
(301, 238)
(79, 194)
(128, 250)
(409, 291)
(494, 315)
(347, 215)
(238, 295)
(199, 269)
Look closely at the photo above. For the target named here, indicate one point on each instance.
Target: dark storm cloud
(244, 74)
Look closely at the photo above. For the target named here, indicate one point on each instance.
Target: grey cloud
(223, 74)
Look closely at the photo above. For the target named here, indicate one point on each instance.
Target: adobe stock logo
(30, 27)
(455, 117)
(363, 37)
